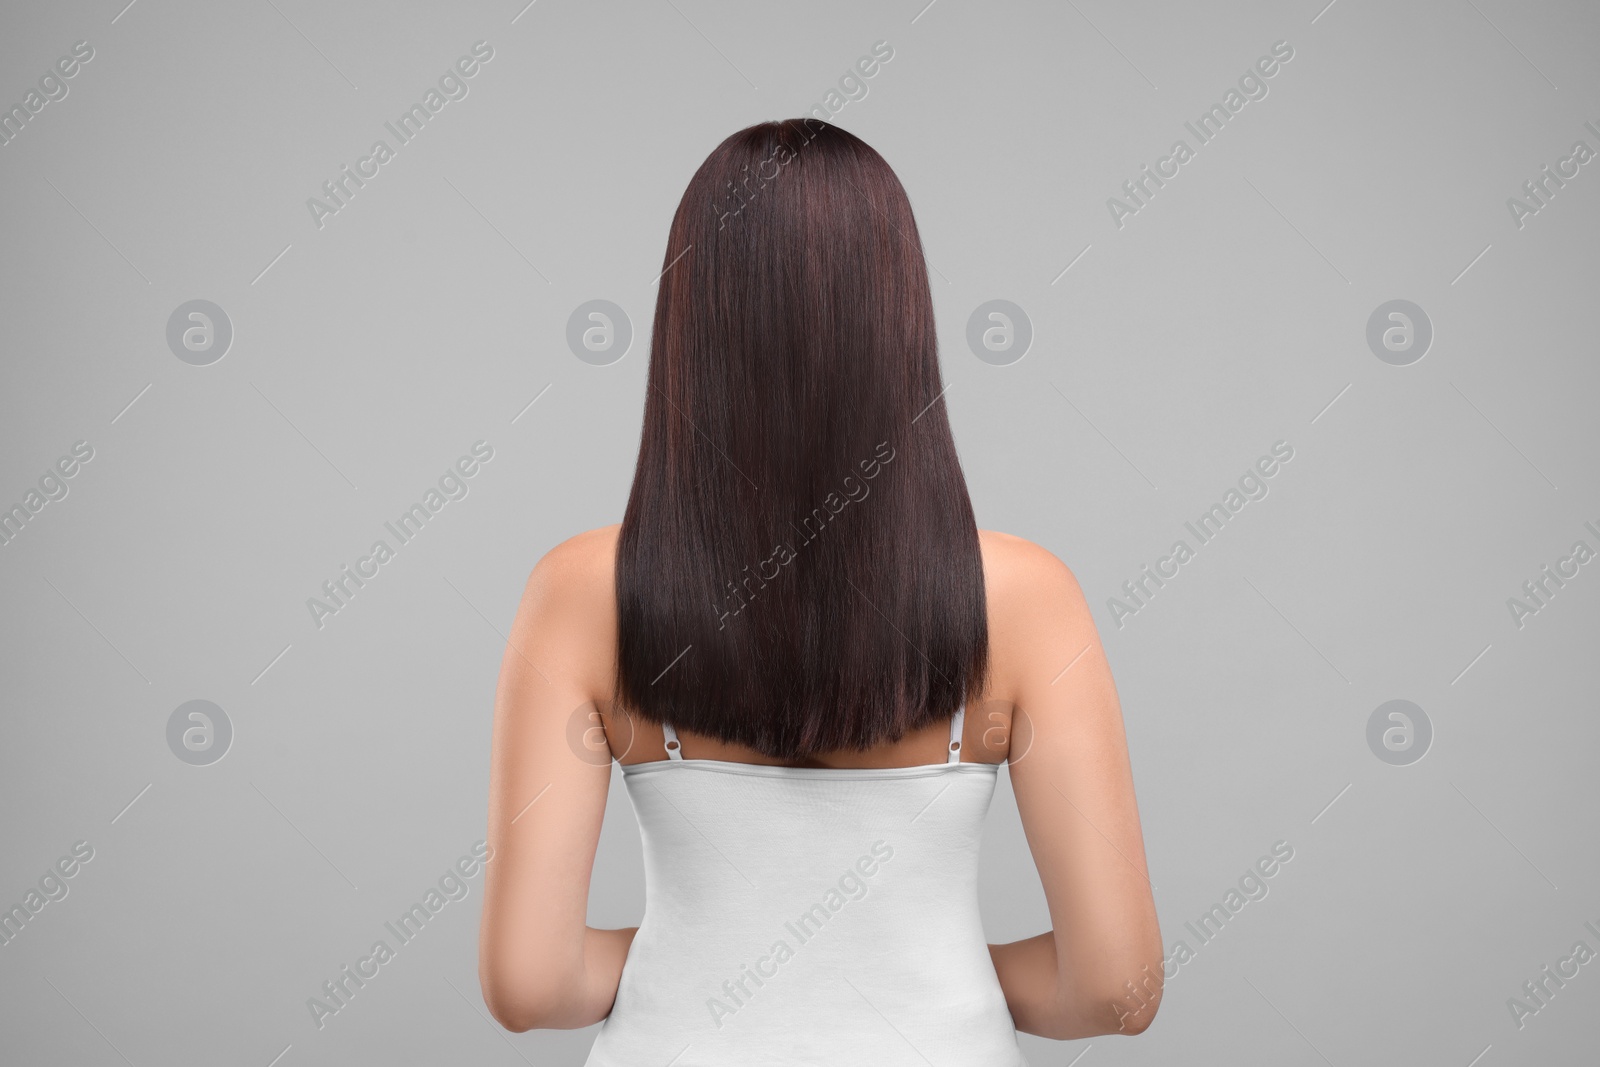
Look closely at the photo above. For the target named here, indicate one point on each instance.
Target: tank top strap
(956, 722)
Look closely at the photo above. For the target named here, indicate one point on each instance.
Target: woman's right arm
(1099, 969)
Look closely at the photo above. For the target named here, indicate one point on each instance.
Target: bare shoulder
(569, 607)
(1037, 613)
(576, 564)
(1016, 570)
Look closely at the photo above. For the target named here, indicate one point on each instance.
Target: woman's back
(810, 915)
(822, 913)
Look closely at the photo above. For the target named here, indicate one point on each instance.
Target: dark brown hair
(798, 569)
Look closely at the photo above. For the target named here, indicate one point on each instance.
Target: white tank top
(809, 915)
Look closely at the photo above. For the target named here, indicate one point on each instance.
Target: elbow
(1131, 1009)
(1135, 1017)
(517, 1002)
(1106, 1009)
(513, 1022)
(1128, 1011)
(510, 1011)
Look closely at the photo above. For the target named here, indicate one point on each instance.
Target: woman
(810, 664)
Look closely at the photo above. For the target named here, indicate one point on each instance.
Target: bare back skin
(1050, 709)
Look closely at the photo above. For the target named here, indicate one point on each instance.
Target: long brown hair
(798, 569)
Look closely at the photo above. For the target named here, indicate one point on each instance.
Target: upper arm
(1074, 784)
(546, 800)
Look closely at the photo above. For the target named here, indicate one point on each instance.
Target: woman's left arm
(539, 963)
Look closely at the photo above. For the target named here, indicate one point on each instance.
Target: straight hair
(798, 569)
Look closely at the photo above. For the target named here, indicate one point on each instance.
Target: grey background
(368, 355)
